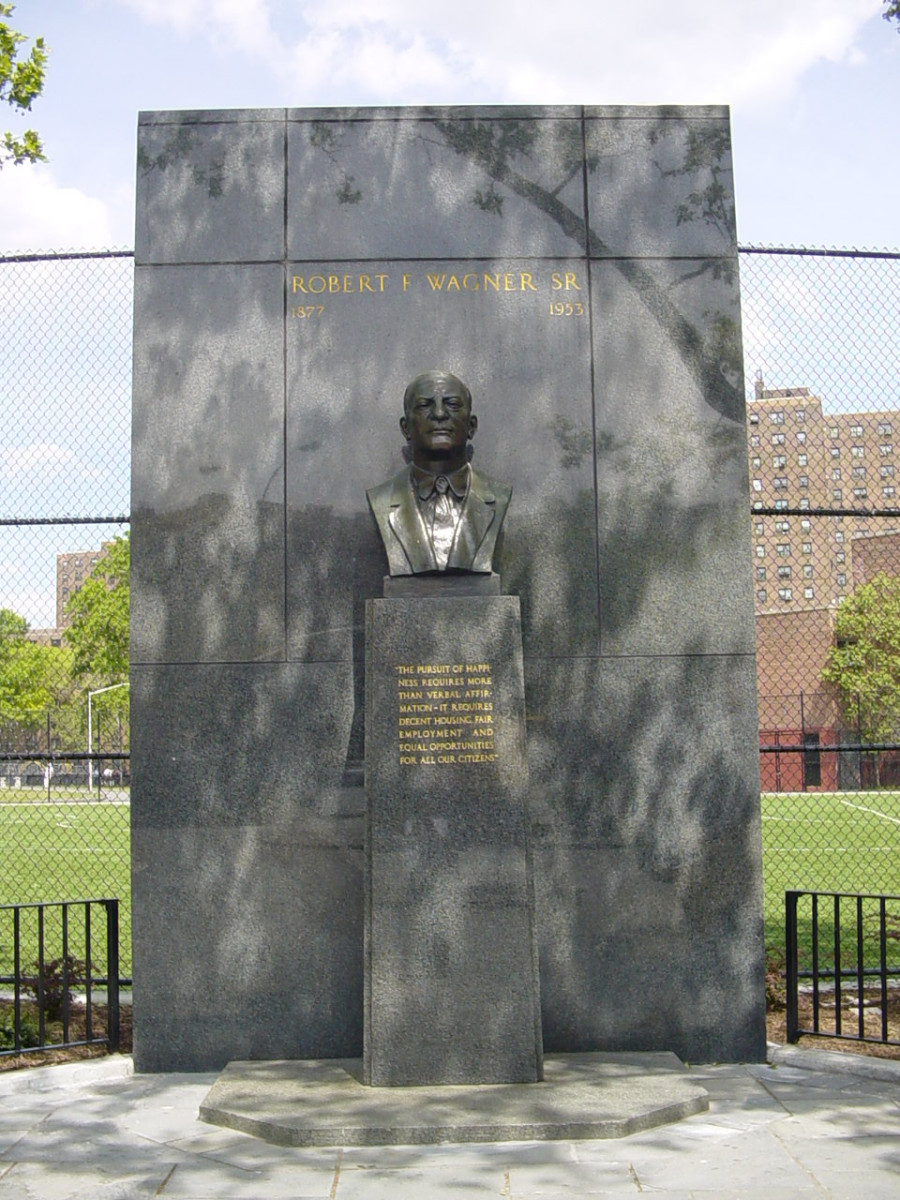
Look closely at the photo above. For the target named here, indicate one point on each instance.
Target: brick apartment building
(802, 460)
(72, 569)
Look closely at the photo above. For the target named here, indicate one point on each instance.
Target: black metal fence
(843, 961)
(54, 958)
(822, 362)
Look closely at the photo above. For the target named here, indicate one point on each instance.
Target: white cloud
(46, 456)
(748, 52)
(234, 24)
(36, 213)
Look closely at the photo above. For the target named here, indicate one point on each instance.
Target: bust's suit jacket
(406, 538)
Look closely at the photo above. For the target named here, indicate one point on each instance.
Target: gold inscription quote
(445, 713)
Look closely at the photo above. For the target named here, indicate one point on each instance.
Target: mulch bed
(46, 1057)
(776, 1024)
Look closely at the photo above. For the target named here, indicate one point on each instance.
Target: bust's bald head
(430, 382)
(438, 421)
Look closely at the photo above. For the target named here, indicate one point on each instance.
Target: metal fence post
(791, 969)
(112, 973)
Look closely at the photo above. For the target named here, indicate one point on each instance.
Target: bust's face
(438, 419)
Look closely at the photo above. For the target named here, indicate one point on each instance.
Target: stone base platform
(323, 1102)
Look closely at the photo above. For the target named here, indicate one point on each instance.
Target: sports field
(78, 848)
(64, 850)
(830, 842)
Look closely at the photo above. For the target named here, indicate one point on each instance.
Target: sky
(814, 89)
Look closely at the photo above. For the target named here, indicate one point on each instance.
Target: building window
(858, 451)
(835, 452)
(800, 414)
(754, 418)
(779, 460)
(887, 491)
(802, 460)
(807, 593)
(837, 494)
(782, 526)
(761, 573)
(884, 427)
(785, 594)
(842, 580)
(756, 462)
(886, 470)
(835, 472)
(807, 547)
(808, 571)
(840, 556)
(777, 418)
(834, 431)
(784, 572)
(859, 472)
(803, 481)
(780, 483)
(801, 437)
(754, 439)
(856, 431)
(777, 439)
(757, 485)
(886, 448)
(805, 525)
(783, 549)
(758, 528)
(860, 493)
(784, 504)
(761, 595)
(760, 552)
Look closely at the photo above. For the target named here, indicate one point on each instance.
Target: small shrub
(29, 1034)
(776, 985)
(53, 980)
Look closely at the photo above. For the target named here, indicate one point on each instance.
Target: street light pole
(97, 691)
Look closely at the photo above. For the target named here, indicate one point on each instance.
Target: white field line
(63, 803)
(873, 811)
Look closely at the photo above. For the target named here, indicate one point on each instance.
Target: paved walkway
(94, 1131)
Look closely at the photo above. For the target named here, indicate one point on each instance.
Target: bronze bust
(439, 514)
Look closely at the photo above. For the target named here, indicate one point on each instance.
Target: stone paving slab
(771, 1133)
(324, 1103)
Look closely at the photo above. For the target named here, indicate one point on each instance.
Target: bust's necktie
(444, 521)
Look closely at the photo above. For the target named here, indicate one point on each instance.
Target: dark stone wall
(578, 269)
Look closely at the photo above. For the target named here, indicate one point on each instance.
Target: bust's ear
(473, 425)
(404, 427)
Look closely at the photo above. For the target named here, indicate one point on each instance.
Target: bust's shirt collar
(427, 485)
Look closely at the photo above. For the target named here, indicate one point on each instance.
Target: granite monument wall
(577, 267)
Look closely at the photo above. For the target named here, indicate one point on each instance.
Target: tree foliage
(98, 634)
(21, 82)
(892, 12)
(864, 664)
(33, 678)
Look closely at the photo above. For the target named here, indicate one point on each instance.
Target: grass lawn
(63, 850)
(827, 841)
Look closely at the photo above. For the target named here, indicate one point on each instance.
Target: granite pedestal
(451, 980)
(325, 1103)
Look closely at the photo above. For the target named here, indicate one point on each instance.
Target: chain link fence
(65, 396)
(822, 357)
